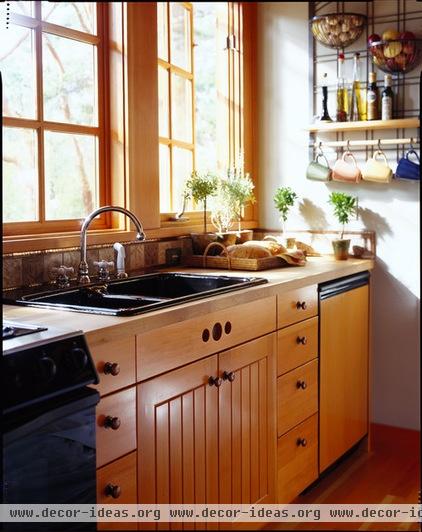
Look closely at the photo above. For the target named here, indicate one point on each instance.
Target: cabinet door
(178, 436)
(247, 433)
(343, 373)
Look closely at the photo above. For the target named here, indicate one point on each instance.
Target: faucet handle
(62, 278)
(103, 267)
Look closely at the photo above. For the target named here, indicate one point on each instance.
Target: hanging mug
(346, 172)
(376, 171)
(407, 169)
(317, 171)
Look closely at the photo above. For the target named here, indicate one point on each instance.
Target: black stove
(48, 440)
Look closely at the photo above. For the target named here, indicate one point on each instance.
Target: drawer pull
(113, 490)
(112, 422)
(111, 368)
(217, 331)
(228, 327)
(215, 381)
(229, 376)
(301, 305)
(205, 335)
(301, 384)
(301, 340)
(301, 442)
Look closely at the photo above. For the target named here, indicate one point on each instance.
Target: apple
(373, 38)
(407, 35)
(391, 64)
(409, 47)
(401, 61)
(390, 35)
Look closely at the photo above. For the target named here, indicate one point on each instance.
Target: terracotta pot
(341, 249)
(244, 235)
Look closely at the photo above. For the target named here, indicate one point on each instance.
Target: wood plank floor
(389, 473)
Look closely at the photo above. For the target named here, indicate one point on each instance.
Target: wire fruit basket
(338, 30)
(398, 55)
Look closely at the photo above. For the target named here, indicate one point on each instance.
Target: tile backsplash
(35, 267)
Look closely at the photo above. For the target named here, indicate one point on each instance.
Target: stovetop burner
(13, 330)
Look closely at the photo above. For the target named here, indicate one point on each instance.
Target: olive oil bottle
(342, 96)
(357, 100)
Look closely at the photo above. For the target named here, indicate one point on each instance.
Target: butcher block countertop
(317, 270)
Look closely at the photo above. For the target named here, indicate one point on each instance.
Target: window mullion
(40, 114)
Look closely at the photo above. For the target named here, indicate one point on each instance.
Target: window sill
(19, 244)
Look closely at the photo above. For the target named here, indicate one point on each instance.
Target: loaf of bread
(273, 247)
(241, 251)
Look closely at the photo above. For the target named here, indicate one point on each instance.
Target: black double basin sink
(138, 295)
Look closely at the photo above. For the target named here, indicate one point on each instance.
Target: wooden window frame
(171, 68)
(132, 78)
(40, 126)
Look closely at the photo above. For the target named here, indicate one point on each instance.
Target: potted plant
(200, 187)
(344, 207)
(234, 192)
(284, 199)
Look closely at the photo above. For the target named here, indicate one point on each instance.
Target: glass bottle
(357, 104)
(342, 103)
(325, 117)
(372, 98)
(387, 99)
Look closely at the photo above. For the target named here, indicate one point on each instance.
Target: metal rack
(401, 83)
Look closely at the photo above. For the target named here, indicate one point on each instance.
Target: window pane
(22, 8)
(20, 175)
(163, 97)
(17, 64)
(180, 36)
(181, 107)
(182, 168)
(79, 16)
(205, 26)
(69, 76)
(162, 30)
(165, 190)
(71, 175)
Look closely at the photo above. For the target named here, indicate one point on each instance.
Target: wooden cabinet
(116, 484)
(343, 372)
(211, 441)
(297, 459)
(297, 396)
(297, 391)
(116, 425)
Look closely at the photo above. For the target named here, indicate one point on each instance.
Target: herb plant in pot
(200, 187)
(234, 192)
(284, 199)
(344, 208)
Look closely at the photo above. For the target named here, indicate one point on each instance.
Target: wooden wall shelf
(398, 123)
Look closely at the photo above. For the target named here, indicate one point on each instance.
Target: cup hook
(379, 146)
(320, 148)
(348, 145)
(411, 144)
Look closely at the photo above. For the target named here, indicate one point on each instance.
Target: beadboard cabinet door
(247, 423)
(344, 358)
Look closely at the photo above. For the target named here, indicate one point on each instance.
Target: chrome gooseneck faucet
(83, 276)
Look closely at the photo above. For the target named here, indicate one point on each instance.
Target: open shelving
(364, 125)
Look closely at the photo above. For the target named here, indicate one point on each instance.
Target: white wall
(391, 210)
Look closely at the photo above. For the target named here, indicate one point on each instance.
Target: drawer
(297, 305)
(297, 396)
(297, 460)
(115, 363)
(175, 345)
(116, 484)
(114, 441)
(297, 345)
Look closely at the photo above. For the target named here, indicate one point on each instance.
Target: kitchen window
(53, 67)
(200, 90)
